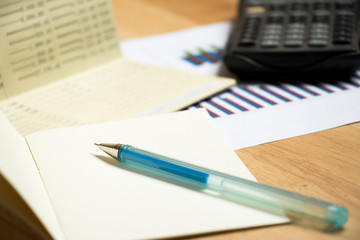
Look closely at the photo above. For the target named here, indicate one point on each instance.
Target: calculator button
(272, 31)
(316, 42)
(275, 20)
(293, 43)
(326, 6)
(321, 19)
(319, 30)
(298, 19)
(296, 30)
(345, 33)
(250, 31)
(342, 40)
(270, 43)
(277, 7)
(247, 42)
(344, 17)
(343, 29)
(344, 5)
(320, 27)
(319, 36)
(271, 36)
(294, 40)
(299, 6)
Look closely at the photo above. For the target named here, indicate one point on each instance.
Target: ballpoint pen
(256, 194)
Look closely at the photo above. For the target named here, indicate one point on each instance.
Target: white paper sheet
(253, 126)
(169, 49)
(96, 199)
(285, 121)
(19, 169)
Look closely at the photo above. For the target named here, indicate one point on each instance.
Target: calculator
(292, 39)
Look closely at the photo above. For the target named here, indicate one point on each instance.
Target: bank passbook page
(60, 65)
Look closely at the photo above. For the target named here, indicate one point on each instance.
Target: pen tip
(96, 144)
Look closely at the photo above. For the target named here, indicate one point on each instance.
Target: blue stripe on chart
(354, 82)
(209, 111)
(258, 95)
(275, 94)
(234, 105)
(234, 94)
(218, 107)
(305, 89)
(192, 62)
(338, 85)
(323, 88)
(295, 94)
(203, 59)
(215, 55)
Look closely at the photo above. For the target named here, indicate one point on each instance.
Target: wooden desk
(324, 165)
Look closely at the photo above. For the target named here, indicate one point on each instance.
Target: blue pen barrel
(251, 193)
(279, 201)
(135, 156)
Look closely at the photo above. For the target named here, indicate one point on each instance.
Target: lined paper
(116, 90)
(43, 41)
(60, 66)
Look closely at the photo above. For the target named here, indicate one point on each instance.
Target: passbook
(60, 65)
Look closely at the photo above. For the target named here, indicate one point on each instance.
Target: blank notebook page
(95, 198)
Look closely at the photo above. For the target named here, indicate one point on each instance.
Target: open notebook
(78, 192)
(60, 65)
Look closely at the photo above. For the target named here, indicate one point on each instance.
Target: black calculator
(292, 39)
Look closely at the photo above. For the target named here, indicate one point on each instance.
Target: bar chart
(211, 55)
(248, 97)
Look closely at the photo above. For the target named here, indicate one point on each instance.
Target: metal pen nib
(110, 148)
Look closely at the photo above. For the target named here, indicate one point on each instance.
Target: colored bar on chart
(193, 59)
(220, 107)
(258, 95)
(208, 56)
(324, 87)
(238, 95)
(238, 106)
(201, 56)
(272, 92)
(307, 89)
(218, 51)
(245, 97)
(290, 91)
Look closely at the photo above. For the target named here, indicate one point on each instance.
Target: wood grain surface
(324, 165)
